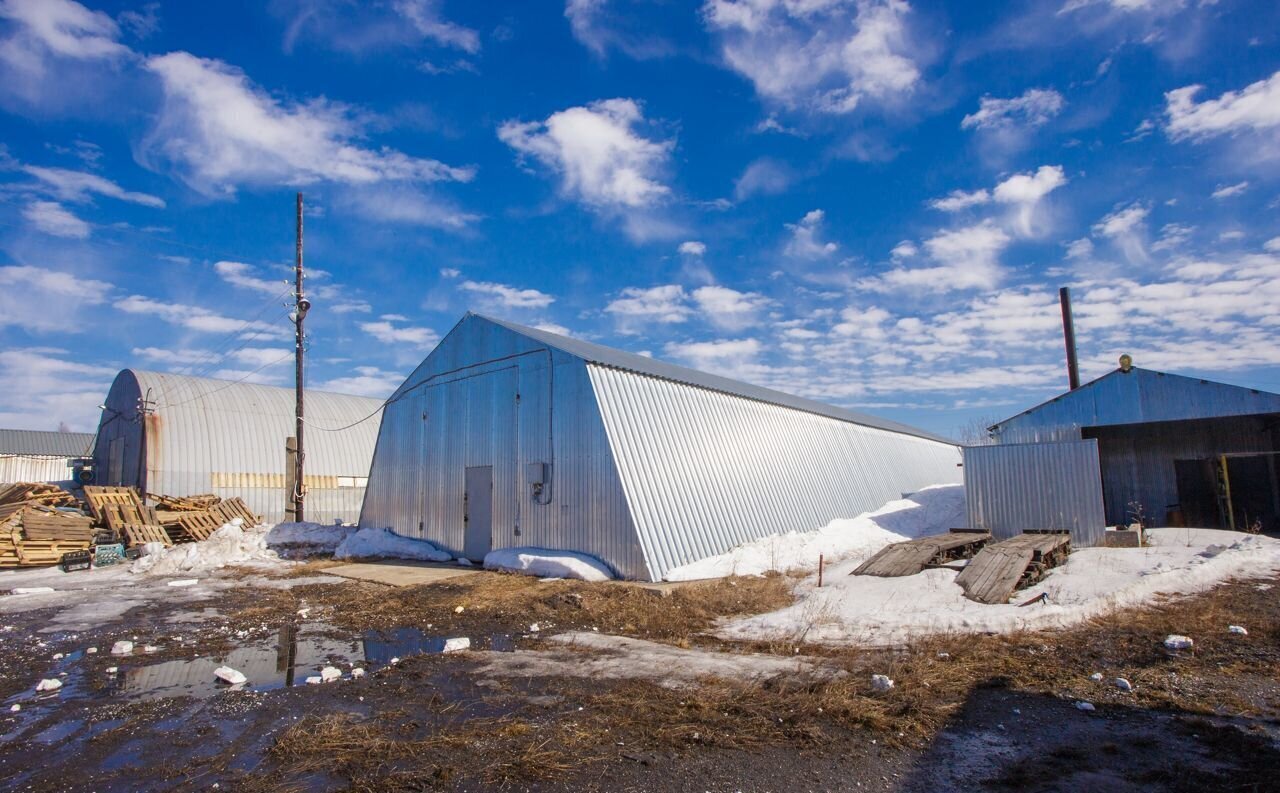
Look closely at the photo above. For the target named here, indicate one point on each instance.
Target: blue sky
(871, 203)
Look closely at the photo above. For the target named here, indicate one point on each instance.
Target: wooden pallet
(140, 535)
(40, 525)
(101, 496)
(184, 503)
(24, 553)
(36, 492)
(233, 508)
(194, 526)
(1001, 568)
(912, 556)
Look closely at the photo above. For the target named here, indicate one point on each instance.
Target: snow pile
(229, 545)
(548, 564)
(386, 544)
(307, 539)
(930, 511)
(890, 611)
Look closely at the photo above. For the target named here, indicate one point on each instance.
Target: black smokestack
(1069, 334)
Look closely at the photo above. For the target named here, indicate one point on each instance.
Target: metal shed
(38, 456)
(179, 435)
(1176, 450)
(509, 436)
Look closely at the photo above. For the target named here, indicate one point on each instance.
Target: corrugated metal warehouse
(508, 436)
(36, 456)
(177, 435)
(1180, 450)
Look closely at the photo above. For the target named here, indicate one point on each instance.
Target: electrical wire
(246, 376)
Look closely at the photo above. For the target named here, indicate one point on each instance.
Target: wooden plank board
(140, 534)
(999, 569)
(912, 556)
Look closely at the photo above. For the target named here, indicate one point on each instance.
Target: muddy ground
(994, 713)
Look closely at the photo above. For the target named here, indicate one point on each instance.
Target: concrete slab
(398, 572)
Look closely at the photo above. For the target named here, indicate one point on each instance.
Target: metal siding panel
(706, 470)
(1012, 487)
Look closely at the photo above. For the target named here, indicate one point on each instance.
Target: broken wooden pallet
(194, 526)
(101, 496)
(1002, 568)
(36, 492)
(184, 503)
(233, 508)
(912, 556)
(141, 535)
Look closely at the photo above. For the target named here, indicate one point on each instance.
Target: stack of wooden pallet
(121, 510)
(194, 518)
(33, 532)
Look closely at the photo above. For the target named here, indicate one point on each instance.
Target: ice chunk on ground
(49, 684)
(456, 645)
(386, 544)
(330, 673)
(1237, 629)
(1175, 642)
(228, 675)
(307, 538)
(881, 682)
(184, 582)
(1123, 684)
(930, 511)
(545, 563)
(31, 590)
(315, 680)
(1087, 707)
(15, 708)
(1096, 677)
(123, 647)
(357, 673)
(229, 545)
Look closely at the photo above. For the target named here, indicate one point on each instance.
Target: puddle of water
(285, 661)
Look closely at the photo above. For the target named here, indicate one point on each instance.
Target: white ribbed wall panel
(704, 471)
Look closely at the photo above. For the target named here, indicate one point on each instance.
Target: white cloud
(450, 272)
(27, 293)
(240, 274)
(61, 27)
(1122, 221)
(1032, 109)
(600, 27)
(1080, 249)
(1172, 237)
(964, 258)
(388, 333)
(196, 318)
(721, 355)
(1230, 190)
(764, 176)
(363, 27)
(957, 200)
(805, 242)
(1025, 190)
(53, 218)
(692, 248)
(77, 186)
(398, 202)
(219, 131)
(351, 307)
(1272, 245)
(367, 381)
(596, 150)
(728, 308)
(508, 296)
(43, 389)
(663, 304)
(826, 56)
(904, 250)
(1254, 108)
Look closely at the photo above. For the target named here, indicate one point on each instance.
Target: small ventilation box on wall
(537, 473)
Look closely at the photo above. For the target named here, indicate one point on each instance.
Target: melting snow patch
(386, 544)
(881, 682)
(1237, 629)
(1175, 642)
(122, 648)
(31, 590)
(1087, 707)
(545, 563)
(307, 538)
(15, 708)
(1123, 684)
(1096, 677)
(357, 673)
(330, 673)
(930, 511)
(230, 544)
(184, 582)
(49, 684)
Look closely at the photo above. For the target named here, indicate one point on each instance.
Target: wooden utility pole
(300, 307)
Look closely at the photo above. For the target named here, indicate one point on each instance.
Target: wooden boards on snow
(912, 556)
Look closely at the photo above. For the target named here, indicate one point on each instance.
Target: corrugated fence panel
(31, 468)
(1011, 487)
(705, 471)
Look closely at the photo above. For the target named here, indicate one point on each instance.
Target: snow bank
(548, 564)
(229, 545)
(929, 511)
(386, 544)
(888, 611)
(307, 538)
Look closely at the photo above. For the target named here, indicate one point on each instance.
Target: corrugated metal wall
(459, 409)
(1012, 487)
(213, 436)
(705, 471)
(34, 468)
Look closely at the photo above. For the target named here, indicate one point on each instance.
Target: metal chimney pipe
(1069, 334)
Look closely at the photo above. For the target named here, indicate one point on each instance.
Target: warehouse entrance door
(477, 516)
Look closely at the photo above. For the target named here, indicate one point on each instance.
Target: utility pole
(300, 307)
